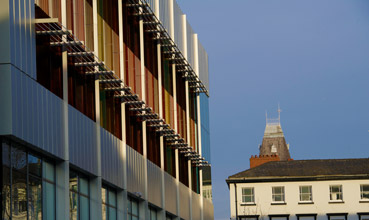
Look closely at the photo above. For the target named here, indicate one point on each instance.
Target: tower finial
(279, 114)
(266, 116)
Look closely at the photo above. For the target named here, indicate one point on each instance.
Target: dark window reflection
(34, 165)
(79, 197)
(23, 195)
(5, 183)
(34, 198)
(19, 195)
(19, 160)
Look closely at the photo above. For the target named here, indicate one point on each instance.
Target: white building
(302, 190)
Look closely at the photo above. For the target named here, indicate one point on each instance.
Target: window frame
(282, 194)
(252, 195)
(130, 214)
(245, 217)
(330, 215)
(361, 214)
(306, 215)
(287, 216)
(310, 193)
(79, 193)
(362, 193)
(107, 202)
(339, 193)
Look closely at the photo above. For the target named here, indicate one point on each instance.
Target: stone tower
(274, 146)
(274, 142)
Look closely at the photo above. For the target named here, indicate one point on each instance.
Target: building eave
(296, 178)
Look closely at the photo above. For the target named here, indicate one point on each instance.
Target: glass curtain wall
(153, 213)
(79, 196)
(109, 203)
(25, 194)
(133, 209)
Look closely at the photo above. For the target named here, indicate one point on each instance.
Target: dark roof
(304, 169)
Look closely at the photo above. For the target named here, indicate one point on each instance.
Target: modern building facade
(104, 111)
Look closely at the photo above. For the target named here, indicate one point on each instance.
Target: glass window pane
(6, 155)
(48, 171)
(365, 188)
(277, 190)
(305, 197)
(335, 189)
(103, 195)
(34, 165)
(73, 205)
(134, 208)
(73, 183)
(248, 199)
(19, 196)
(277, 198)
(129, 206)
(83, 185)
(247, 191)
(112, 199)
(19, 160)
(6, 193)
(34, 198)
(104, 212)
(152, 214)
(112, 213)
(365, 195)
(84, 208)
(48, 201)
(304, 189)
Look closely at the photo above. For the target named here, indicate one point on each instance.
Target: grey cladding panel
(164, 14)
(135, 171)
(203, 65)
(208, 209)
(178, 26)
(196, 206)
(154, 187)
(184, 201)
(22, 36)
(6, 111)
(112, 163)
(190, 45)
(37, 116)
(82, 141)
(170, 193)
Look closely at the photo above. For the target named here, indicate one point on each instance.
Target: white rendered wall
(320, 192)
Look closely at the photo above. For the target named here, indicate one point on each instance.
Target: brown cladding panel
(44, 6)
(89, 30)
(76, 18)
(183, 170)
(134, 130)
(181, 106)
(131, 40)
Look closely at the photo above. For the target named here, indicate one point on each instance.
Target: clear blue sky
(312, 57)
